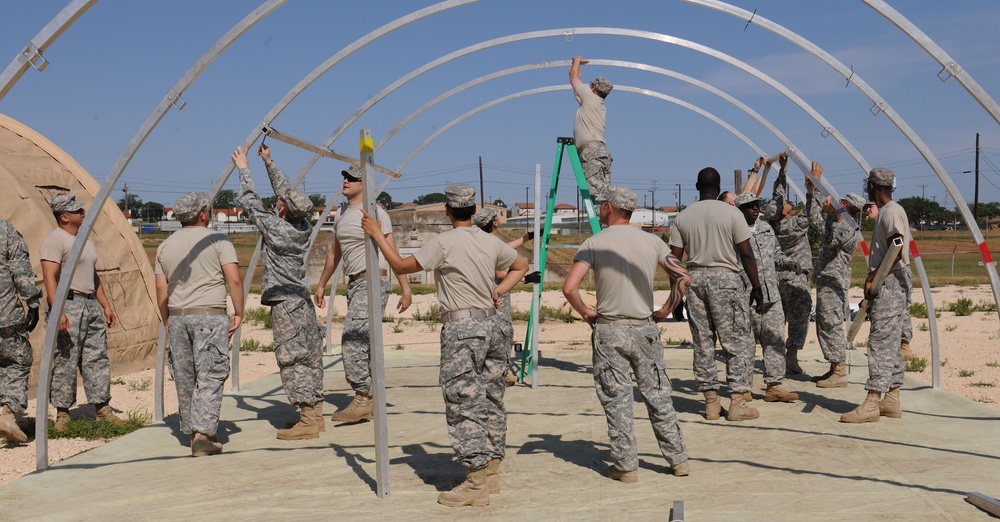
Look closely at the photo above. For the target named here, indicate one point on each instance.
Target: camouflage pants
(769, 330)
(84, 346)
(797, 304)
(619, 349)
(908, 319)
(355, 342)
(472, 365)
(199, 364)
(717, 306)
(885, 361)
(15, 365)
(298, 348)
(596, 163)
(831, 314)
(505, 322)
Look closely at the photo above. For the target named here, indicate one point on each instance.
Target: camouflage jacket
(793, 231)
(836, 249)
(769, 260)
(17, 279)
(285, 244)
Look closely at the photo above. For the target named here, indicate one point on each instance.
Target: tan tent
(33, 169)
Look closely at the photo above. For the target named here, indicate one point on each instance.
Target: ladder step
(561, 246)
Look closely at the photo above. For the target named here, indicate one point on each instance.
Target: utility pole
(125, 190)
(482, 195)
(653, 205)
(922, 188)
(526, 210)
(679, 199)
(975, 202)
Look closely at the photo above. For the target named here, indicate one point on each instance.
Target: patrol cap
(65, 203)
(620, 197)
(353, 173)
(882, 177)
(484, 216)
(854, 200)
(748, 197)
(602, 85)
(187, 207)
(297, 204)
(460, 196)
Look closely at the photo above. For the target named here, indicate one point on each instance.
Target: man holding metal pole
(888, 305)
(298, 339)
(588, 128)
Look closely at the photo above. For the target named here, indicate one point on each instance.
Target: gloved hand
(678, 312)
(757, 296)
(534, 277)
(32, 320)
(531, 235)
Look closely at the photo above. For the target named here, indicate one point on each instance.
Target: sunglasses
(352, 179)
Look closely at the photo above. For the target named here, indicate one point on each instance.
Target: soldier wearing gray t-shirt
(716, 239)
(626, 340)
(465, 261)
(588, 128)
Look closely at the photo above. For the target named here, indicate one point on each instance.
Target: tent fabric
(33, 169)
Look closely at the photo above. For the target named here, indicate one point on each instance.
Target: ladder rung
(561, 246)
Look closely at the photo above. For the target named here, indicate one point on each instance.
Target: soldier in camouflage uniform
(832, 278)
(349, 245)
(767, 326)
(486, 219)
(626, 339)
(193, 268)
(588, 128)
(716, 239)
(792, 233)
(888, 309)
(465, 261)
(83, 342)
(298, 338)
(17, 284)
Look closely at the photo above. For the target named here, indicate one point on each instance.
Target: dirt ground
(970, 360)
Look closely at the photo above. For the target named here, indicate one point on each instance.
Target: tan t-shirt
(465, 261)
(191, 259)
(709, 230)
(623, 277)
(891, 220)
(56, 246)
(347, 231)
(590, 117)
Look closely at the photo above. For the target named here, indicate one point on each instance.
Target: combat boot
(472, 492)
(625, 477)
(319, 418)
(509, 379)
(62, 419)
(306, 428)
(361, 408)
(681, 470)
(202, 445)
(738, 409)
(493, 476)
(867, 412)
(792, 362)
(747, 396)
(904, 348)
(713, 408)
(9, 428)
(775, 393)
(838, 379)
(104, 413)
(817, 378)
(889, 405)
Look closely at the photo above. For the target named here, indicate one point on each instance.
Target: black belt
(81, 295)
(357, 276)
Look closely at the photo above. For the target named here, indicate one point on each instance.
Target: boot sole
(298, 437)
(353, 420)
(892, 414)
(844, 385)
(742, 418)
(859, 421)
(775, 399)
(473, 503)
(205, 453)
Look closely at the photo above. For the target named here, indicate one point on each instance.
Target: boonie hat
(65, 203)
(298, 204)
(602, 85)
(187, 207)
(460, 196)
(854, 200)
(748, 197)
(484, 216)
(882, 177)
(620, 197)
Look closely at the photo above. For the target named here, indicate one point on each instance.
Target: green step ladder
(562, 145)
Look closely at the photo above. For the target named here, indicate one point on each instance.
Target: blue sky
(112, 67)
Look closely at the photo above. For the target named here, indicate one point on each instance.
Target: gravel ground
(970, 360)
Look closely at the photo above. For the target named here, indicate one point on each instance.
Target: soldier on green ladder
(588, 128)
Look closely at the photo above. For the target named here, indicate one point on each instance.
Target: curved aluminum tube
(566, 87)
(950, 65)
(50, 33)
(299, 87)
(59, 299)
(326, 66)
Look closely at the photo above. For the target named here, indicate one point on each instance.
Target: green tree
(152, 211)
(922, 209)
(225, 199)
(500, 203)
(269, 201)
(134, 203)
(433, 197)
(386, 201)
(318, 200)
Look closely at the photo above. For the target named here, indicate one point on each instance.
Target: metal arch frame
(828, 128)
(171, 99)
(50, 33)
(949, 65)
(283, 103)
(553, 88)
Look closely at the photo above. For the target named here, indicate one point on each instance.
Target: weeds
(545, 313)
(399, 347)
(915, 364)
(944, 362)
(919, 310)
(258, 315)
(670, 341)
(861, 344)
(923, 327)
(118, 380)
(962, 307)
(92, 429)
(951, 328)
(253, 345)
(398, 327)
(993, 364)
(140, 386)
(966, 373)
(388, 318)
(982, 384)
(986, 306)
(433, 315)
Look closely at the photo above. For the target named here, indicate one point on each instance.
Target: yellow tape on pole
(367, 145)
